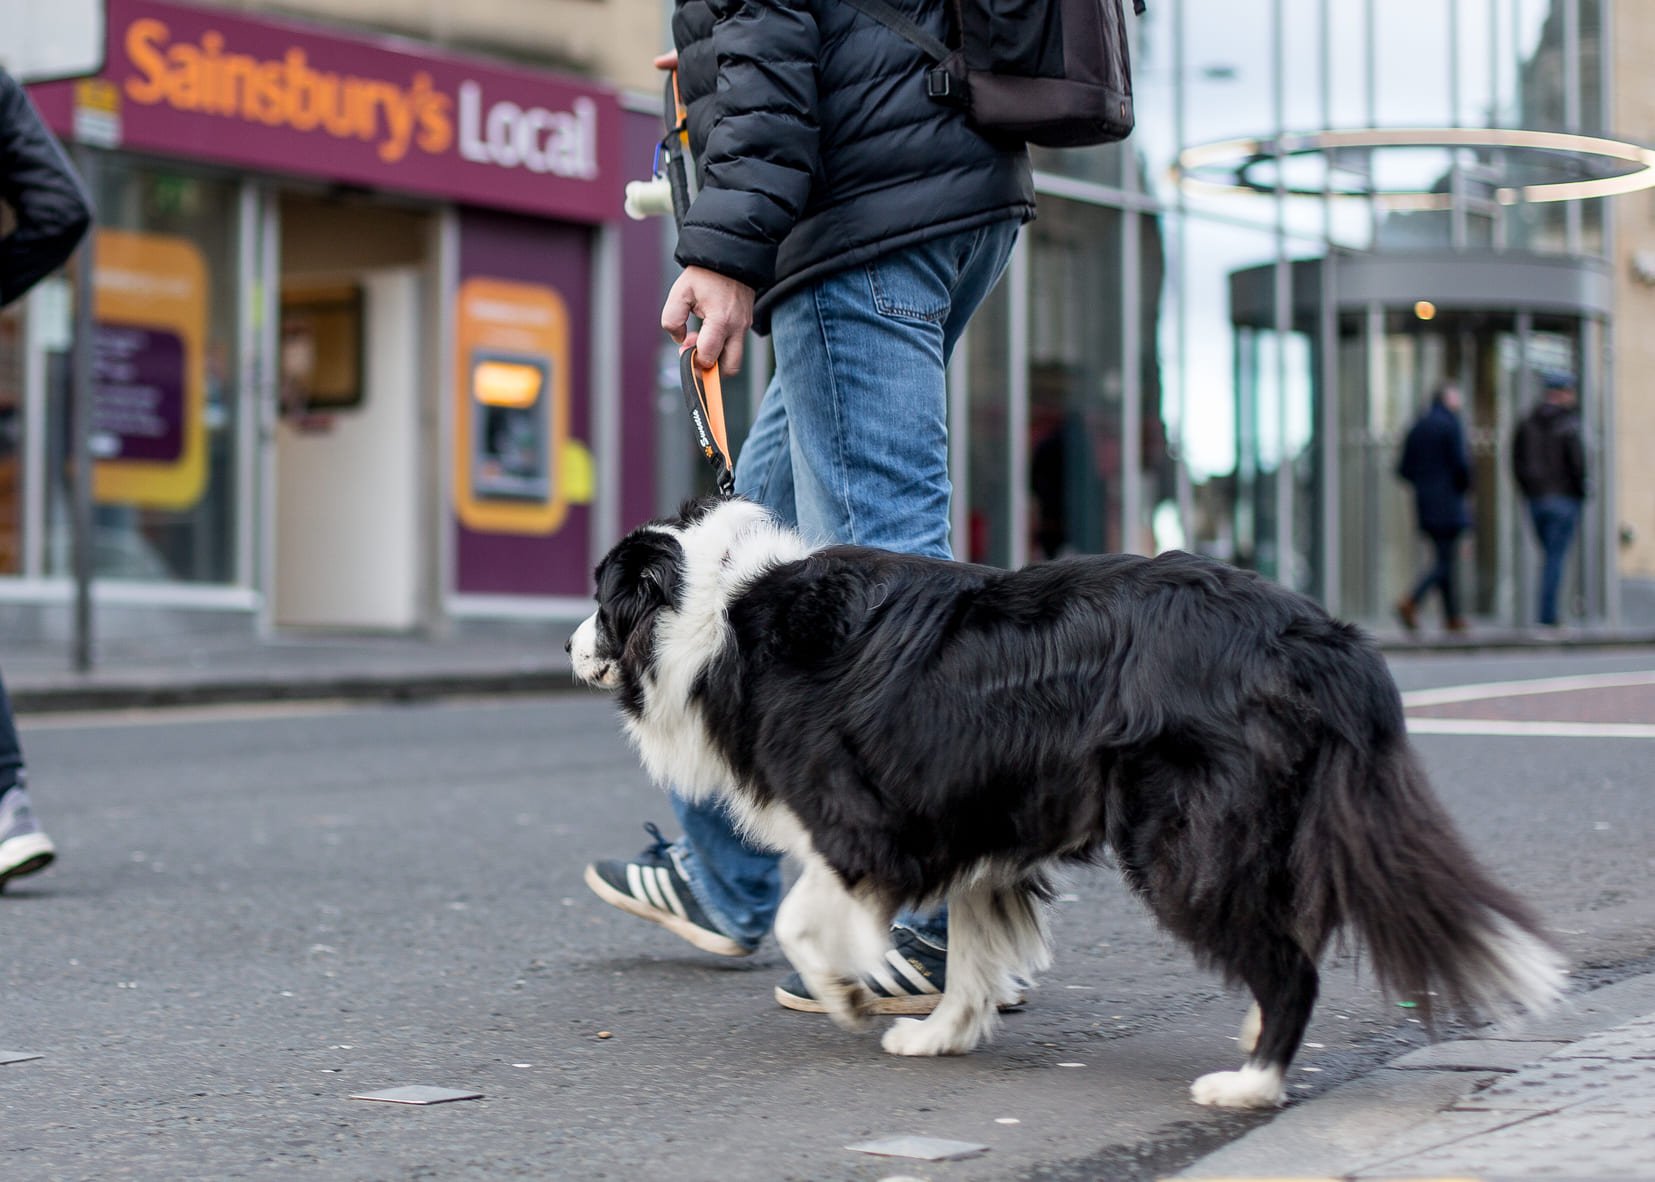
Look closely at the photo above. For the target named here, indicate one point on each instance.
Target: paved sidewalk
(203, 669)
(1567, 1096)
(192, 669)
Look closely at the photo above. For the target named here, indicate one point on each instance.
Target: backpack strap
(902, 26)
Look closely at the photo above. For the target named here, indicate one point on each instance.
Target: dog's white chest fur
(723, 551)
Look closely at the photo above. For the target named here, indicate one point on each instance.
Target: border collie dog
(915, 730)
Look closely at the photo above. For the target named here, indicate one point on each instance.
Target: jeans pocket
(906, 286)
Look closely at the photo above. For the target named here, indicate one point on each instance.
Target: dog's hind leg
(831, 935)
(1251, 1023)
(1283, 978)
(994, 933)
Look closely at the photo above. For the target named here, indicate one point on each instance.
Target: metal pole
(80, 424)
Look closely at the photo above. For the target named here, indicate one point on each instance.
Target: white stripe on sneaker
(636, 884)
(918, 979)
(885, 983)
(652, 887)
(669, 893)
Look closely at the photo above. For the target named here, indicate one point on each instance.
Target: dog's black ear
(641, 576)
(661, 576)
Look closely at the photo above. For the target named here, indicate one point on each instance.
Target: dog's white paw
(916, 1036)
(1251, 1087)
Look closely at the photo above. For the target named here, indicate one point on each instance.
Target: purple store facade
(376, 348)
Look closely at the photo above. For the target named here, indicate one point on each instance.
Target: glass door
(1391, 362)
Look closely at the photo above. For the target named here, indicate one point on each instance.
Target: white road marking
(1531, 730)
(1517, 689)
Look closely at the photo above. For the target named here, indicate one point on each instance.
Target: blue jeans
(1554, 518)
(850, 444)
(11, 751)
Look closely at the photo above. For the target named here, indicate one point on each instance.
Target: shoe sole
(922, 1003)
(26, 855)
(682, 928)
(912, 1006)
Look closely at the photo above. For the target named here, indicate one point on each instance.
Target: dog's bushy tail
(1377, 854)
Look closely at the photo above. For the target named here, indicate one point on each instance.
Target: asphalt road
(259, 912)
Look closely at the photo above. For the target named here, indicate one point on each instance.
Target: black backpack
(1049, 72)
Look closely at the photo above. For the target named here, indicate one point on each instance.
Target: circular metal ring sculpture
(1223, 167)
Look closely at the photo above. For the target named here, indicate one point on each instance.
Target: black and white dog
(914, 730)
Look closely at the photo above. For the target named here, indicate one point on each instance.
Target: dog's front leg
(993, 933)
(830, 937)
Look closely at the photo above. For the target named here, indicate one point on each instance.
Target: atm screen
(511, 427)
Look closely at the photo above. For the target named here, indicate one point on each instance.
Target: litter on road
(418, 1094)
(922, 1148)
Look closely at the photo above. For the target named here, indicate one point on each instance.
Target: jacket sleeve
(761, 150)
(51, 206)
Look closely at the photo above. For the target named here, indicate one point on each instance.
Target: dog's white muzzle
(589, 666)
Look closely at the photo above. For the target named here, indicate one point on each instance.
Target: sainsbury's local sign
(284, 97)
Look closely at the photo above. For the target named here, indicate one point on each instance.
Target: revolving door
(1372, 338)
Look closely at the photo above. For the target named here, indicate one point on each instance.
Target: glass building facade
(1226, 360)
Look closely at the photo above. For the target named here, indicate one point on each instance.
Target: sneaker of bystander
(24, 849)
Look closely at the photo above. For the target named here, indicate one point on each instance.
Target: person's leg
(11, 750)
(1444, 543)
(869, 448)
(24, 849)
(871, 344)
(738, 884)
(1422, 588)
(1563, 514)
(1554, 525)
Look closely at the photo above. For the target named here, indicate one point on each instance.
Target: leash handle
(704, 396)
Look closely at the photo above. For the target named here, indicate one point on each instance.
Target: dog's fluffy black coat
(930, 725)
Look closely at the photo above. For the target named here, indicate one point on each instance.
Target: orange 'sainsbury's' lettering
(288, 92)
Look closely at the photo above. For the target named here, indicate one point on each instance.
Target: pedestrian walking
(50, 214)
(860, 223)
(1548, 459)
(1435, 461)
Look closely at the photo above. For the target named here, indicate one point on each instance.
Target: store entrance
(1391, 362)
(1330, 379)
(350, 442)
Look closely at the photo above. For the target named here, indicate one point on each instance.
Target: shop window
(166, 395)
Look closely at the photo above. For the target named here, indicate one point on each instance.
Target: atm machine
(511, 427)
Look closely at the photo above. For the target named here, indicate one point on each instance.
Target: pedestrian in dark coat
(1548, 459)
(50, 214)
(1435, 461)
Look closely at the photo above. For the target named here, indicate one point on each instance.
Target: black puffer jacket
(816, 146)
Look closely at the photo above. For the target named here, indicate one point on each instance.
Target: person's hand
(667, 60)
(725, 307)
